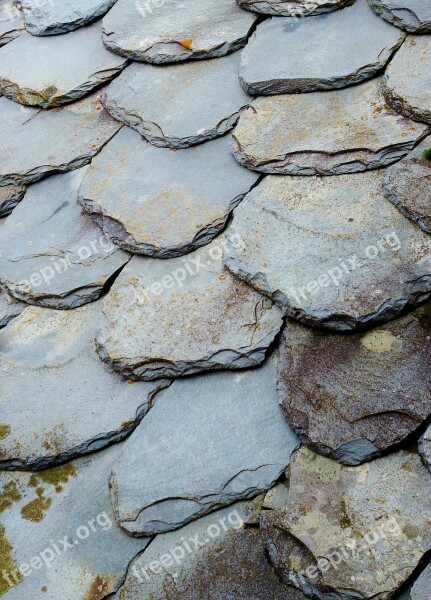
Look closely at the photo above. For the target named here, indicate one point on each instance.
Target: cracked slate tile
(51, 254)
(10, 195)
(216, 558)
(351, 532)
(58, 399)
(422, 587)
(11, 22)
(324, 133)
(407, 80)
(176, 30)
(129, 192)
(181, 316)
(353, 397)
(238, 445)
(58, 526)
(180, 105)
(331, 251)
(408, 185)
(52, 18)
(9, 308)
(287, 55)
(292, 8)
(412, 15)
(30, 75)
(35, 143)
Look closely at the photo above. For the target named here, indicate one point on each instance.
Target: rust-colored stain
(186, 43)
(98, 589)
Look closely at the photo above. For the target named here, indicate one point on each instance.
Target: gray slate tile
(331, 251)
(161, 202)
(53, 71)
(408, 185)
(58, 399)
(51, 254)
(407, 80)
(412, 15)
(292, 8)
(9, 308)
(325, 52)
(387, 397)
(35, 143)
(237, 445)
(421, 589)
(324, 133)
(165, 32)
(180, 105)
(181, 316)
(11, 22)
(10, 195)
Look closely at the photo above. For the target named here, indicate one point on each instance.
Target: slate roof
(215, 299)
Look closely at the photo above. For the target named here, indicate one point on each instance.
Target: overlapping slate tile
(332, 251)
(163, 32)
(326, 133)
(226, 560)
(238, 444)
(408, 185)
(51, 254)
(51, 17)
(292, 8)
(352, 397)
(53, 71)
(10, 195)
(287, 55)
(35, 143)
(351, 532)
(11, 22)
(411, 15)
(58, 399)
(181, 316)
(425, 448)
(180, 105)
(58, 526)
(9, 308)
(159, 202)
(421, 589)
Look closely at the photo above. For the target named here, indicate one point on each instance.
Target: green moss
(58, 475)
(7, 565)
(4, 431)
(427, 154)
(9, 495)
(35, 510)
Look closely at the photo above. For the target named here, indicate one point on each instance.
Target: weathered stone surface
(352, 397)
(407, 80)
(351, 532)
(292, 8)
(53, 71)
(11, 22)
(181, 316)
(58, 399)
(51, 18)
(331, 251)
(9, 308)
(325, 52)
(411, 15)
(408, 185)
(51, 254)
(162, 203)
(421, 589)
(180, 105)
(425, 448)
(233, 420)
(10, 195)
(35, 143)
(227, 561)
(324, 133)
(59, 525)
(176, 30)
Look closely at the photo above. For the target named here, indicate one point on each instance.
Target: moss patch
(427, 154)
(35, 510)
(4, 431)
(9, 495)
(58, 475)
(7, 565)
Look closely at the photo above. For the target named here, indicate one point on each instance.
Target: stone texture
(292, 8)
(412, 15)
(421, 589)
(11, 23)
(408, 185)
(425, 448)
(331, 251)
(177, 30)
(407, 80)
(325, 52)
(231, 565)
(180, 105)
(52, 18)
(61, 521)
(10, 195)
(353, 397)
(182, 316)
(238, 444)
(351, 532)
(162, 203)
(324, 133)
(58, 399)
(50, 72)
(35, 143)
(51, 255)
(9, 308)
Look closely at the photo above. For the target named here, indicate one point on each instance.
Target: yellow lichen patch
(14, 576)
(35, 510)
(378, 340)
(58, 475)
(4, 431)
(9, 495)
(98, 589)
(186, 44)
